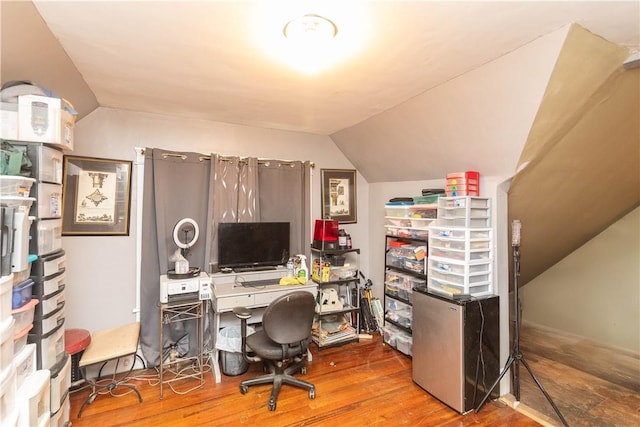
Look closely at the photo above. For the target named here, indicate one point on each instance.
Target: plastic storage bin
(24, 315)
(20, 204)
(416, 233)
(6, 286)
(47, 238)
(463, 184)
(49, 284)
(45, 324)
(21, 294)
(61, 417)
(398, 312)
(49, 347)
(25, 363)
(47, 162)
(400, 285)
(398, 210)
(60, 382)
(50, 303)
(49, 201)
(19, 186)
(460, 267)
(20, 339)
(404, 344)
(33, 399)
(8, 410)
(49, 264)
(390, 334)
(449, 289)
(6, 342)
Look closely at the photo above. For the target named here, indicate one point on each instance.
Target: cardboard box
(44, 119)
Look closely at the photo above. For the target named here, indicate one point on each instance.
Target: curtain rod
(231, 158)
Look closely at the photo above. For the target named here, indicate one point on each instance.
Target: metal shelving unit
(337, 304)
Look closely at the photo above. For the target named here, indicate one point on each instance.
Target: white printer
(184, 289)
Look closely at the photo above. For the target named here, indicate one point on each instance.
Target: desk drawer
(266, 298)
(228, 303)
(263, 299)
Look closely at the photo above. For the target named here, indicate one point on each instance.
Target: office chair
(281, 344)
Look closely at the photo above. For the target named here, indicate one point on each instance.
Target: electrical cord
(480, 359)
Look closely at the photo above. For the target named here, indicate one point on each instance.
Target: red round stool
(75, 342)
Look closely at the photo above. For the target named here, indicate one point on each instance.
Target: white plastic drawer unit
(60, 382)
(46, 324)
(47, 237)
(49, 198)
(48, 265)
(47, 162)
(50, 347)
(49, 285)
(51, 302)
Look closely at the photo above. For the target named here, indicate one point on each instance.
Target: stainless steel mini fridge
(455, 348)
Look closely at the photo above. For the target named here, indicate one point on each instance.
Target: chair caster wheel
(312, 394)
(272, 405)
(244, 389)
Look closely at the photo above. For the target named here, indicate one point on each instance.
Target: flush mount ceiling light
(310, 27)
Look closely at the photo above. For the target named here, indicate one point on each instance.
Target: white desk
(228, 292)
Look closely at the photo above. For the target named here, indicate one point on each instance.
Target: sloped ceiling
(579, 171)
(202, 59)
(437, 87)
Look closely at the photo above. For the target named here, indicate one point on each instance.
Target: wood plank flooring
(591, 384)
(359, 384)
(370, 384)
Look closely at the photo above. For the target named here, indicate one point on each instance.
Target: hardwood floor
(591, 384)
(360, 384)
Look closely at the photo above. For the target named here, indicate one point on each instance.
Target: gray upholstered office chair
(281, 344)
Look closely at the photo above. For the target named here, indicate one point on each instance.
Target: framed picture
(339, 195)
(96, 197)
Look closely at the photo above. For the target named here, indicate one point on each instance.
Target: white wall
(101, 271)
(595, 291)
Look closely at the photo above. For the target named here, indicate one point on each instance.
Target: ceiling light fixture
(310, 28)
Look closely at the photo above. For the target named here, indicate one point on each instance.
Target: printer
(185, 289)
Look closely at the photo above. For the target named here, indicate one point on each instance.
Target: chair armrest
(242, 312)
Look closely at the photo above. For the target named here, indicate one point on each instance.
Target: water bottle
(290, 268)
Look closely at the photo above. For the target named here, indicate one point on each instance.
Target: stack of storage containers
(8, 386)
(40, 366)
(463, 184)
(49, 276)
(461, 248)
(407, 230)
(16, 306)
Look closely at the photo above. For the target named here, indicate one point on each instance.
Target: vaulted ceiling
(418, 97)
(206, 59)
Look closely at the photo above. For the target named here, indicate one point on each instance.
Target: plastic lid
(28, 306)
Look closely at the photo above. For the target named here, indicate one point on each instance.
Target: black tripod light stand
(516, 358)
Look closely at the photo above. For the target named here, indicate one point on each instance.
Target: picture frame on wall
(96, 196)
(339, 195)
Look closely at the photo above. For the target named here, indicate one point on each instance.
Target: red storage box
(463, 184)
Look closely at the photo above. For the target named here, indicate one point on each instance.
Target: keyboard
(259, 283)
(247, 269)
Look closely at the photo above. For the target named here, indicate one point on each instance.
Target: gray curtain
(210, 190)
(284, 196)
(232, 197)
(176, 186)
